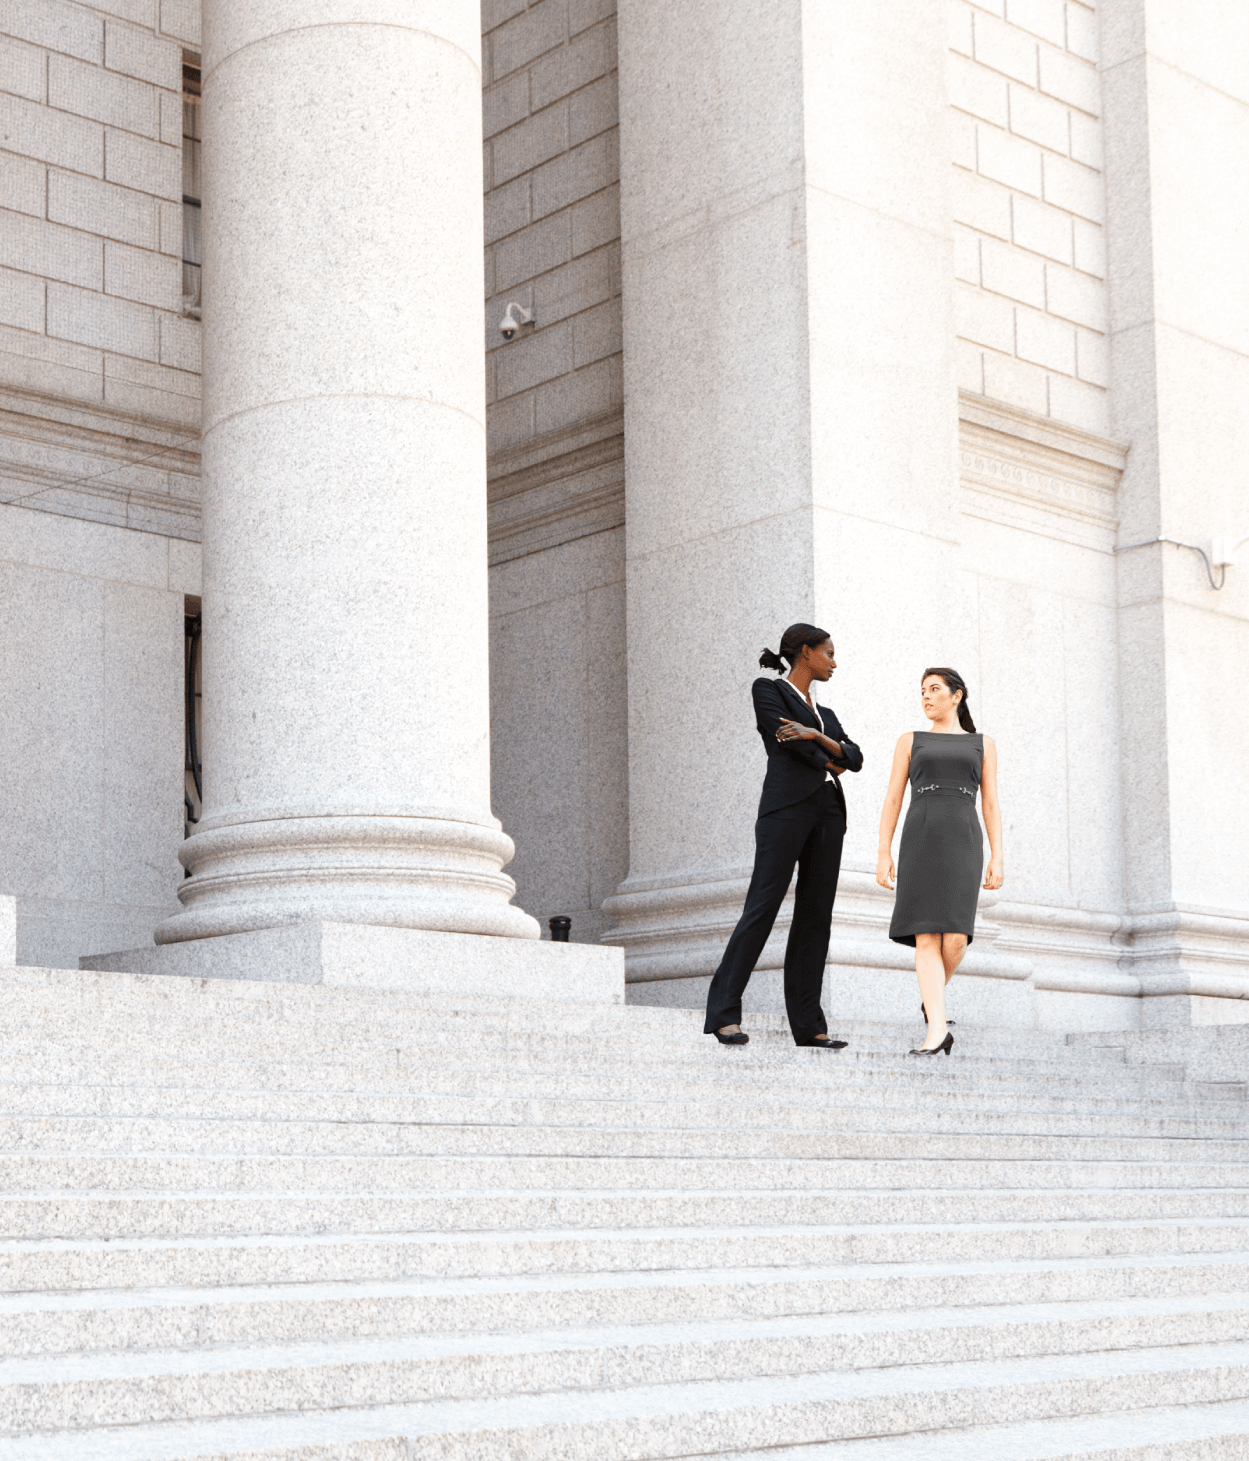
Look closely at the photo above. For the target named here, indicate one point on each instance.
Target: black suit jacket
(796, 768)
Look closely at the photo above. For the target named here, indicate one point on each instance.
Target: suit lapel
(818, 720)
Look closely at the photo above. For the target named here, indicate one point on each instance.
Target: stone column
(790, 422)
(1177, 183)
(345, 611)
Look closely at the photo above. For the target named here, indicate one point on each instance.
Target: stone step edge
(175, 1296)
(718, 1232)
(713, 1414)
(1173, 1433)
(141, 1365)
(488, 1194)
(719, 1123)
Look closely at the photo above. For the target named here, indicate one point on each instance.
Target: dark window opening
(193, 774)
(192, 207)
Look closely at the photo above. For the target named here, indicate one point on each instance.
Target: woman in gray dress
(942, 852)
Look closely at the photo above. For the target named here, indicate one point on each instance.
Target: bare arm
(892, 810)
(992, 814)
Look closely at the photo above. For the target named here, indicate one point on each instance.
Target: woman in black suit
(802, 820)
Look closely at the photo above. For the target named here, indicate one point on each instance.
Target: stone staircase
(272, 1221)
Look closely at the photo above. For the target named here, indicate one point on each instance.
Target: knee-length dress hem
(908, 938)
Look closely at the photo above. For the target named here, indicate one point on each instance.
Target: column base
(434, 868)
(673, 932)
(371, 956)
(855, 992)
(677, 928)
(1193, 966)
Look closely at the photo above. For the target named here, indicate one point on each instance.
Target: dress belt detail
(944, 788)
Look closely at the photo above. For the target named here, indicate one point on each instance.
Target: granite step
(28, 1266)
(822, 1077)
(1160, 1433)
(300, 1172)
(785, 1108)
(174, 1214)
(121, 1389)
(195, 1317)
(855, 1112)
(85, 1029)
(699, 1417)
(49, 1136)
(757, 1061)
(125, 997)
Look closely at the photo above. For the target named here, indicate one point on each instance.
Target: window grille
(191, 189)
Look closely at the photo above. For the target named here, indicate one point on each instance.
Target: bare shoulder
(990, 744)
(905, 741)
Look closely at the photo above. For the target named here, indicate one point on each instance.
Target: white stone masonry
(1029, 207)
(91, 210)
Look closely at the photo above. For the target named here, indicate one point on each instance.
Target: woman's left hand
(790, 731)
(993, 876)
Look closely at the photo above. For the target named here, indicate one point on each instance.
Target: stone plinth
(8, 931)
(352, 955)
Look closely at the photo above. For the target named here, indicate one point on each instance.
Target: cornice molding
(1038, 474)
(99, 466)
(554, 488)
(552, 446)
(1042, 431)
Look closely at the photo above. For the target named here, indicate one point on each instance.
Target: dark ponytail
(954, 682)
(791, 646)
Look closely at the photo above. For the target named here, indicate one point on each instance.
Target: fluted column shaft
(345, 685)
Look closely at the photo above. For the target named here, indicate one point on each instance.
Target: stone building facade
(925, 322)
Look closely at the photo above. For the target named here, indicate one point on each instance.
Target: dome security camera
(515, 316)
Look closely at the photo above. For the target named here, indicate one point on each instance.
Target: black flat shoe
(814, 1044)
(924, 1012)
(741, 1038)
(943, 1049)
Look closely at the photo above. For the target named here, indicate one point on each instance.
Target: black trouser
(810, 834)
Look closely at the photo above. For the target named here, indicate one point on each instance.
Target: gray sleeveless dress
(941, 855)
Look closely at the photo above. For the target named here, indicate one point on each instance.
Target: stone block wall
(99, 462)
(91, 200)
(91, 724)
(552, 213)
(556, 494)
(1029, 207)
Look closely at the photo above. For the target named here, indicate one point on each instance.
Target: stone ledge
(99, 466)
(370, 956)
(553, 488)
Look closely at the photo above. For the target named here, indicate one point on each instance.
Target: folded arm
(851, 757)
(803, 742)
(770, 711)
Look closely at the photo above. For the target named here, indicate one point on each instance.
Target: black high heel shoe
(741, 1038)
(943, 1049)
(815, 1044)
(924, 1012)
